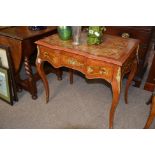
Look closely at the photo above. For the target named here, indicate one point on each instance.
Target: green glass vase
(64, 32)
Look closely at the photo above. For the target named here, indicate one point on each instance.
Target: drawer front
(142, 35)
(73, 61)
(98, 69)
(50, 55)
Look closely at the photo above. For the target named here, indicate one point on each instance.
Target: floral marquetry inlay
(74, 62)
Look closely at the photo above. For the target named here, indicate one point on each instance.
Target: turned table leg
(151, 115)
(130, 78)
(116, 86)
(39, 65)
(31, 82)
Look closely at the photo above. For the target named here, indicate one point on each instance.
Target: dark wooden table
(21, 40)
(110, 61)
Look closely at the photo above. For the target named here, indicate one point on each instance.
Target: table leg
(39, 65)
(116, 86)
(19, 88)
(130, 78)
(71, 75)
(31, 82)
(59, 73)
(151, 115)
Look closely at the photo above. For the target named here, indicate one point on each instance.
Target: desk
(21, 42)
(110, 61)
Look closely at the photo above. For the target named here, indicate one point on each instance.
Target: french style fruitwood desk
(21, 40)
(110, 61)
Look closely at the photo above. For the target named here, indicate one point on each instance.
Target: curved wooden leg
(31, 82)
(116, 85)
(130, 78)
(39, 65)
(151, 115)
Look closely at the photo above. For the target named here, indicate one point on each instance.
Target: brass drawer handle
(72, 61)
(125, 35)
(90, 69)
(46, 54)
(102, 71)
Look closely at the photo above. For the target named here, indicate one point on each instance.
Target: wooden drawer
(73, 61)
(98, 69)
(51, 56)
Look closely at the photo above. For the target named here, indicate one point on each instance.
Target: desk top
(113, 49)
(23, 32)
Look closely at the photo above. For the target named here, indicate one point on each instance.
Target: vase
(64, 32)
(95, 35)
(76, 33)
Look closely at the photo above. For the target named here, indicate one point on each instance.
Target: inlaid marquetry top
(113, 49)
